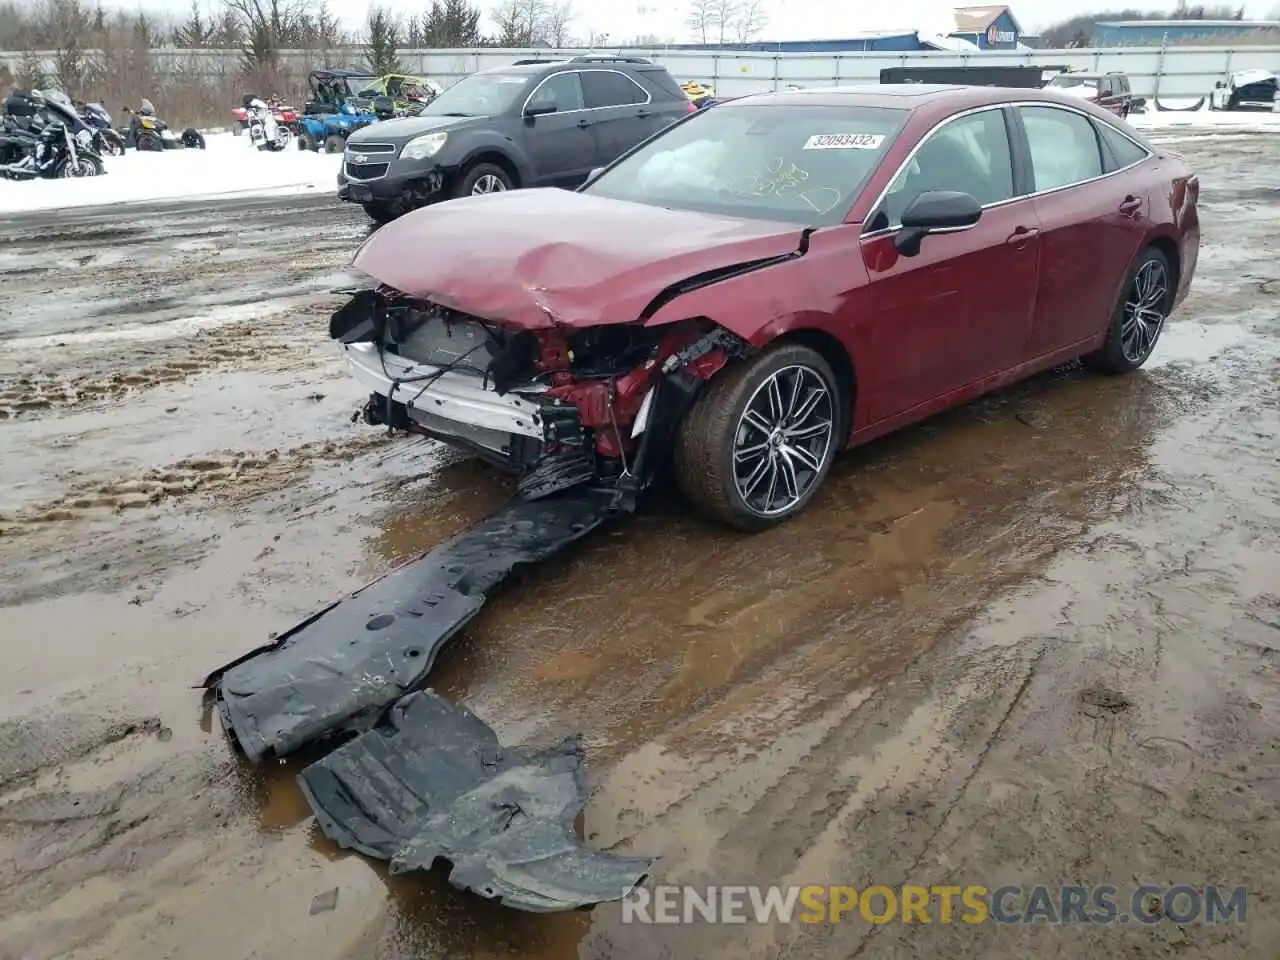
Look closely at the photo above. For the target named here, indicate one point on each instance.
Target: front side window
(481, 95)
(799, 164)
(562, 91)
(970, 155)
(1064, 147)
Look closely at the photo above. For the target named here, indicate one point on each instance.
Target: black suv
(536, 123)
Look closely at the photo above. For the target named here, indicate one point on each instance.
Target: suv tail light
(693, 108)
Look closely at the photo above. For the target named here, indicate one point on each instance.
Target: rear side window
(661, 84)
(1064, 146)
(606, 88)
(1122, 151)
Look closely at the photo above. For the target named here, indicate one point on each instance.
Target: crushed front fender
(338, 671)
(433, 782)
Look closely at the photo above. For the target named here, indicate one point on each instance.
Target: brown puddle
(1031, 641)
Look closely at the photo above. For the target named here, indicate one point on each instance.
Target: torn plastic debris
(434, 782)
(340, 669)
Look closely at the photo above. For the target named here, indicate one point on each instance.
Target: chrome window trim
(1026, 196)
(648, 97)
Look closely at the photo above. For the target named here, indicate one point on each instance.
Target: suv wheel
(484, 178)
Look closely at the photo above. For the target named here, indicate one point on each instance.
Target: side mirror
(932, 211)
(539, 109)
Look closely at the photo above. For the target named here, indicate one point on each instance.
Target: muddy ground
(1035, 640)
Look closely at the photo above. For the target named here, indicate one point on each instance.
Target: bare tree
(750, 21)
(700, 19)
(521, 23)
(724, 14)
(558, 19)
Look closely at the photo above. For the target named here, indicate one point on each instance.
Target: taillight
(693, 108)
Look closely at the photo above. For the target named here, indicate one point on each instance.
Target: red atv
(285, 115)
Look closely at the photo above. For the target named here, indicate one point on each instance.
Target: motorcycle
(106, 139)
(283, 113)
(264, 130)
(147, 132)
(57, 153)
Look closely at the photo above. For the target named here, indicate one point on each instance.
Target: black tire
(1120, 352)
(238, 129)
(380, 211)
(704, 452)
(467, 184)
(193, 139)
(149, 140)
(335, 143)
(86, 167)
(307, 142)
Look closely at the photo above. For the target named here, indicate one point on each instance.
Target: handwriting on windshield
(777, 178)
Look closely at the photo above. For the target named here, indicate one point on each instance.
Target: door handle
(643, 113)
(583, 124)
(1022, 235)
(1130, 205)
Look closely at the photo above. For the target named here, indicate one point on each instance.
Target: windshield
(481, 95)
(799, 164)
(1066, 80)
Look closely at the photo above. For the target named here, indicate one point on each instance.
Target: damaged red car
(772, 280)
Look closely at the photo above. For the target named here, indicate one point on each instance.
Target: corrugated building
(976, 28)
(1154, 33)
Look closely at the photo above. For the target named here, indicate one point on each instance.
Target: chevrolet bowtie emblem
(360, 158)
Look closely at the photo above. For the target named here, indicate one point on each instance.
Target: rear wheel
(761, 438)
(306, 141)
(149, 140)
(484, 178)
(334, 143)
(1139, 317)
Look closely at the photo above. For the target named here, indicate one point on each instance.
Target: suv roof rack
(608, 58)
(531, 61)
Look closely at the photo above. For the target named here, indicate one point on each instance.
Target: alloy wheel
(489, 183)
(1144, 311)
(783, 440)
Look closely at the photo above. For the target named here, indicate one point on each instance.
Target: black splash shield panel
(339, 670)
(433, 781)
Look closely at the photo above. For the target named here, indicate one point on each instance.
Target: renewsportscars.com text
(971, 904)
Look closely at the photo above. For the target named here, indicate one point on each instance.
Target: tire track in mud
(233, 477)
(284, 338)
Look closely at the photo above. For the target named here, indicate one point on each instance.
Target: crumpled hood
(544, 257)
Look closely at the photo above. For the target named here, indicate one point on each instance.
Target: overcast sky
(624, 20)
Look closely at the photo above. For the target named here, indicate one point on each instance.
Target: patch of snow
(1204, 118)
(228, 167)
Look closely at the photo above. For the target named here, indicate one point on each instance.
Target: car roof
(900, 96)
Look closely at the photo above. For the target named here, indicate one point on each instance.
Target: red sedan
(771, 280)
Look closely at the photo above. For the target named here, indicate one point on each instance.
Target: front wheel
(307, 142)
(1139, 317)
(148, 140)
(484, 178)
(82, 166)
(761, 438)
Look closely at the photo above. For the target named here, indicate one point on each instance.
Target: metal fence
(1173, 72)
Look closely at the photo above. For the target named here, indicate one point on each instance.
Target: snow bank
(229, 167)
(1204, 119)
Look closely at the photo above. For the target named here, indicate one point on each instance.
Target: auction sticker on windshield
(844, 141)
